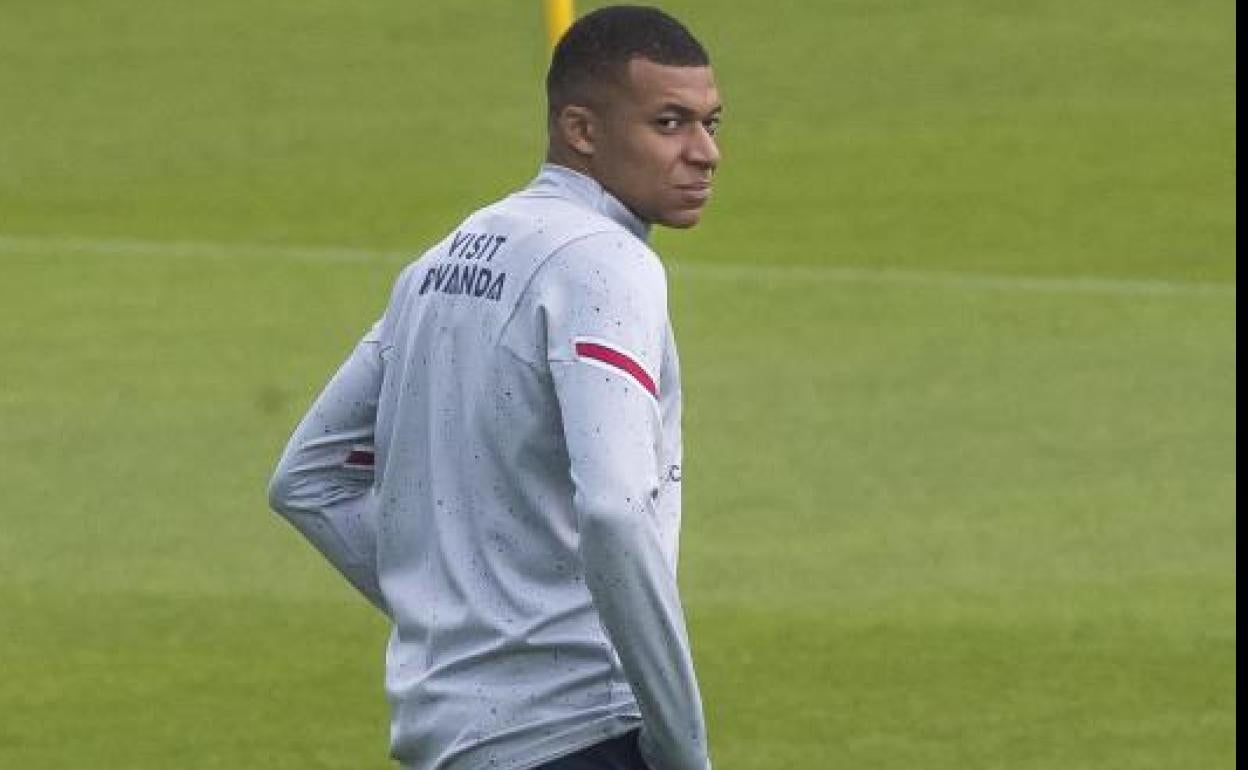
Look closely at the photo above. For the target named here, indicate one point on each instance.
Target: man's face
(654, 143)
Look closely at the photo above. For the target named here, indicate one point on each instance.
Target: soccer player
(497, 465)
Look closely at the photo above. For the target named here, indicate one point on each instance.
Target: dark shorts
(616, 754)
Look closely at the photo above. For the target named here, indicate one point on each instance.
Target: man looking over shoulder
(497, 464)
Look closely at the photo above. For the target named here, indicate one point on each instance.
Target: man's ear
(576, 125)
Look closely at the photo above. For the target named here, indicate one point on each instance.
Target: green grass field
(957, 338)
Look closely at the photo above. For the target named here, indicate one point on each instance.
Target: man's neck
(562, 156)
(594, 194)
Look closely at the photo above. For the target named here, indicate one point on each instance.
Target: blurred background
(957, 337)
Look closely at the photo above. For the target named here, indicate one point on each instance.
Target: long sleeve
(323, 484)
(606, 329)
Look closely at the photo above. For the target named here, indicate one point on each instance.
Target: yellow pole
(559, 15)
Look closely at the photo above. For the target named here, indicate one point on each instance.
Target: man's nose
(702, 149)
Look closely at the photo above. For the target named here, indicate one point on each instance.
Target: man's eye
(668, 124)
(712, 126)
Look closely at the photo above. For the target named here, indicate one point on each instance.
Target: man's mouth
(696, 191)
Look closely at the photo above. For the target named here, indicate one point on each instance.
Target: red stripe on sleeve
(619, 360)
(360, 458)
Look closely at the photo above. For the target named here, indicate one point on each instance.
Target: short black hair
(598, 47)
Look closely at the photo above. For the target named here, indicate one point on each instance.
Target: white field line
(121, 247)
(933, 279)
(951, 279)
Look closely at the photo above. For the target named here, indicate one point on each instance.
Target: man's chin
(682, 219)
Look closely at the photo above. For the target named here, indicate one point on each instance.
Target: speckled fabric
(497, 466)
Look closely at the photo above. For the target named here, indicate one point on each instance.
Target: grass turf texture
(928, 524)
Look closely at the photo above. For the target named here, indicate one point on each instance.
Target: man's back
(497, 651)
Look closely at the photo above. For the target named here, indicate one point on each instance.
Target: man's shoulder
(612, 251)
(608, 264)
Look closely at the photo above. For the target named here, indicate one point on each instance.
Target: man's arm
(607, 321)
(323, 484)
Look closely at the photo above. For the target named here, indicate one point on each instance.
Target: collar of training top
(586, 190)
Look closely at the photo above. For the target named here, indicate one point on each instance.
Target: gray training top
(497, 467)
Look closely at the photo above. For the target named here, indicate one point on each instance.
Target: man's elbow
(283, 491)
(615, 519)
